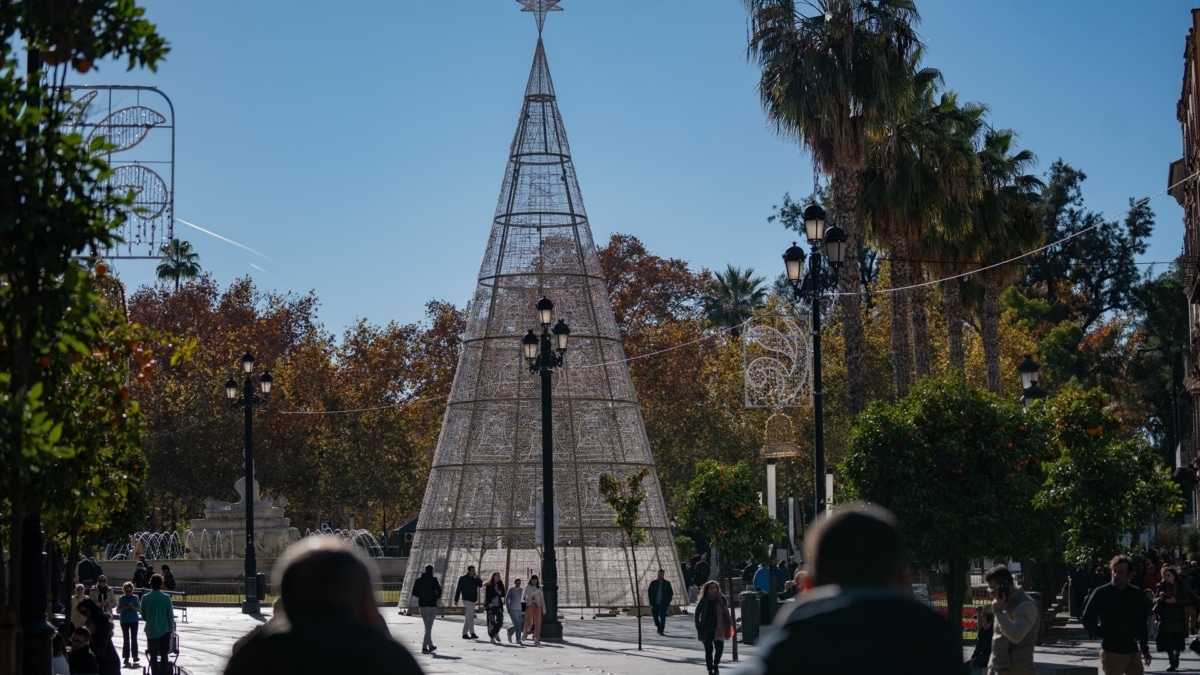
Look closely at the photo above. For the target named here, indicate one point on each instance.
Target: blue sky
(359, 146)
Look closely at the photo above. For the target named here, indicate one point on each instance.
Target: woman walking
(78, 620)
(535, 606)
(493, 602)
(100, 623)
(714, 625)
(128, 609)
(1172, 618)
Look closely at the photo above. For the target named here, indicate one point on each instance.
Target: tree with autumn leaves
(350, 426)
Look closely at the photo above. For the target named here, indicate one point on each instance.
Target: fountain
(224, 523)
(360, 538)
(212, 550)
(156, 545)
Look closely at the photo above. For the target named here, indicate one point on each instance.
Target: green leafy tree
(722, 502)
(626, 502)
(181, 262)
(1157, 368)
(1104, 481)
(54, 206)
(961, 468)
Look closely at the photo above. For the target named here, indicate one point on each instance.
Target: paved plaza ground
(593, 646)
(600, 646)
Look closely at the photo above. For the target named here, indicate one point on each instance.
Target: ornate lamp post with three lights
(544, 353)
(813, 285)
(248, 402)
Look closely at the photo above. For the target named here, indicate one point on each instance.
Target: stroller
(175, 669)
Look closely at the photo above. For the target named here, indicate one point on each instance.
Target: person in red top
(1152, 578)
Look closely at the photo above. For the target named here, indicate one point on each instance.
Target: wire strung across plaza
(725, 330)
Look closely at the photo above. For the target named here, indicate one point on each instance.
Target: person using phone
(1016, 624)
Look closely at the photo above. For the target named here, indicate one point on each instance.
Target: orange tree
(56, 203)
(961, 469)
(1104, 479)
(722, 502)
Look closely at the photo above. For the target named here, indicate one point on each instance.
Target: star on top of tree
(539, 8)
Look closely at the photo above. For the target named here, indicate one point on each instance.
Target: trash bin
(260, 586)
(751, 602)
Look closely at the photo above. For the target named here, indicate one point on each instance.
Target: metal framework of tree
(485, 484)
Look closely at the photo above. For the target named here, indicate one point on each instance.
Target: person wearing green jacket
(159, 615)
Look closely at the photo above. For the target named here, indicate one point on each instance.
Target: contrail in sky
(257, 268)
(224, 239)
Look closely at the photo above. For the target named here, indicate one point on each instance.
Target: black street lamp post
(544, 353)
(1030, 374)
(248, 402)
(813, 284)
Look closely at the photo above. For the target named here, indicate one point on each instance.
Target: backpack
(169, 581)
(139, 577)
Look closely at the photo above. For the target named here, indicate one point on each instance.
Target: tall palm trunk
(918, 298)
(991, 332)
(846, 197)
(952, 292)
(902, 362)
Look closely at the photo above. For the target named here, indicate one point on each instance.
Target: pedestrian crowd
(84, 643)
(853, 583)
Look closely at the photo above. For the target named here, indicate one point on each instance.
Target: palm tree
(181, 262)
(828, 80)
(733, 296)
(1004, 225)
(922, 163)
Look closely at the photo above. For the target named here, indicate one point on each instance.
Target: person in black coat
(332, 622)
(494, 606)
(858, 582)
(660, 594)
(427, 589)
(1117, 612)
(468, 591)
(702, 571)
(100, 627)
(81, 659)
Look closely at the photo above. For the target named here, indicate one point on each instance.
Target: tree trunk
(918, 300)
(898, 300)
(846, 197)
(991, 333)
(637, 595)
(67, 587)
(956, 588)
(952, 291)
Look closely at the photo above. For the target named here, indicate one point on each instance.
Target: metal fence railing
(207, 593)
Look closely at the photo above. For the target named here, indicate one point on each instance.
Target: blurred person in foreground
(857, 613)
(331, 624)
